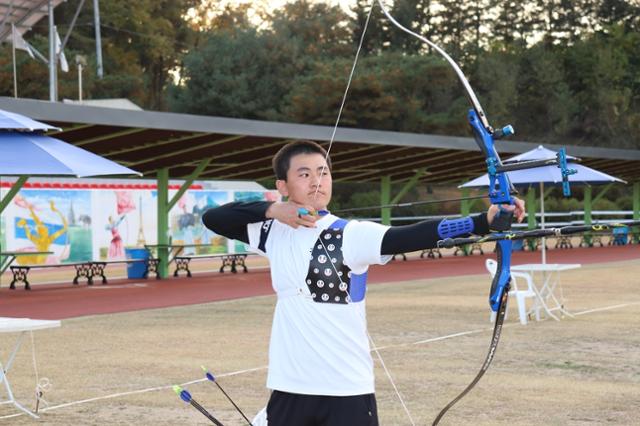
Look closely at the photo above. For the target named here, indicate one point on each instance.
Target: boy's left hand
(517, 208)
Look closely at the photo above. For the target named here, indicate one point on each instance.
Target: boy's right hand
(287, 213)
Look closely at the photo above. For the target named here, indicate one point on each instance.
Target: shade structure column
(531, 214)
(187, 183)
(465, 210)
(588, 203)
(408, 186)
(385, 199)
(163, 221)
(636, 207)
(17, 186)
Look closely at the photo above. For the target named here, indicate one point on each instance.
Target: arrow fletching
(183, 394)
(207, 374)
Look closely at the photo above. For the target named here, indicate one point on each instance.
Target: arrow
(212, 378)
(535, 233)
(186, 397)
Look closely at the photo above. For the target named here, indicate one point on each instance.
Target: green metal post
(601, 194)
(588, 203)
(385, 198)
(531, 214)
(163, 221)
(465, 210)
(465, 205)
(410, 184)
(531, 208)
(12, 192)
(636, 207)
(185, 186)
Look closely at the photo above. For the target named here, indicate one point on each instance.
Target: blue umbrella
(32, 154)
(13, 121)
(545, 174)
(27, 152)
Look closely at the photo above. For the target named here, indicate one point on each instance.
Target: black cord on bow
(536, 233)
(495, 338)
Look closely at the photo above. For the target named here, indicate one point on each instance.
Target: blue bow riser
(502, 280)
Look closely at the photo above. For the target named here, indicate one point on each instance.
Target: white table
(22, 326)
(545, 285)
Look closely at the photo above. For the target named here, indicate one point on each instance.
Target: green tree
(319, 30)
(616, 12)
(455, 23)
(604, 68)
(155, 33)
(233, 74)
(142, 43)
(514, 25)
(376, 31)
(417, 16)
(391, 91)
(545, 105)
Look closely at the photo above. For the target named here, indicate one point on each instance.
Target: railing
(552, 219)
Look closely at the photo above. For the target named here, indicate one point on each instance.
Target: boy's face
(305, 177)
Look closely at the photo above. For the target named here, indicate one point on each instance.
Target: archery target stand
(21, 326)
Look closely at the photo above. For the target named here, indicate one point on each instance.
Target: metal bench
(21, 272)
(466, 251)
(230, 260)
(86, 270)
(590, 239)
(563, 242)
(98, 267)
(431, 253)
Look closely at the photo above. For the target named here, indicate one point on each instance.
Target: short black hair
(282, 160)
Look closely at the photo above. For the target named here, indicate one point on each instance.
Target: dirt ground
(118, 369)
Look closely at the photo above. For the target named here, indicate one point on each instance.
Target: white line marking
(606, 308)
(435, 339)
(117, 395)
(250, 370)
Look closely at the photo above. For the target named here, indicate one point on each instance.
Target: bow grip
(502, 279)
(502, 220)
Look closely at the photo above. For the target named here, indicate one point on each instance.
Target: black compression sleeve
(422, 235)
(231, 220)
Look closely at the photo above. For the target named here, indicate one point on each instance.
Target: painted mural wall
(82, 224)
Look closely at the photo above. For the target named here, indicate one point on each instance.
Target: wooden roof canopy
(242, 149)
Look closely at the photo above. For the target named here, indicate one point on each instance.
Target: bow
(501, 193)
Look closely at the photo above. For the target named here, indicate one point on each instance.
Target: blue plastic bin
(620, 236)
(136, 270)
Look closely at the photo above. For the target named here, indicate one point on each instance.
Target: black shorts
(290, 409)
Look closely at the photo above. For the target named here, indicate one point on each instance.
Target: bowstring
(324, 166)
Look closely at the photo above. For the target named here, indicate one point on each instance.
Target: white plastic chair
(520, 295)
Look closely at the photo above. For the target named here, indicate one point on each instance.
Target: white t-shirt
(318, 348)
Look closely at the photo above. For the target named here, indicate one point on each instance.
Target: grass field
(433, 336)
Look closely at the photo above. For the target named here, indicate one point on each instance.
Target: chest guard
(329, 279)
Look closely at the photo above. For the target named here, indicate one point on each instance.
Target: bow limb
(500, 190)
(500, 187)
(463, 79)
(500, 193)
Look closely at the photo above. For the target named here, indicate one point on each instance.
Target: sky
(274, 4)
(271, 5)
